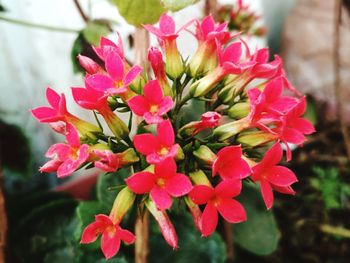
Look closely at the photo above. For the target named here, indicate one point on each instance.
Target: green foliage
(2, 8)
(193, 248)
(330, 184)
(311, 110)
(94, 30)
(259, 234)
(138, 12)
(15, 152)
(176, 5)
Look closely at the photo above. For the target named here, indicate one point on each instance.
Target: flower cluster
(241, 19)
(245, 120)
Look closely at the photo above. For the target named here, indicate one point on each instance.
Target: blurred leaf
(259, 234)
(176, 5)
(192, 111)
(78, 48)
(94, 30)
(15, 152)
(311, 111)
(2, 8)
(138, 12)
(108, 186)
(192, 247)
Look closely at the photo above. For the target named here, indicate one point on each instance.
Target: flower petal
(72, 136)
(166, 25)
(146, 143)
(232, 211)
(201, 194)
(209, 220)
(166, 168)
(132, 74)
(53, 98)
(46, 114)
(99, 82)
(281, 176)
(165, 105)
(161, 198)
(115, 66)
(229, 188)
(110, 244)
(139, 105)
(91, 232)
(166, 133)
(153, 92)
(50, 166)
(126, 236)
(232, 53)
(141, 182)
(67, 168)
(267, 194)
(178, 185)
(152, 119)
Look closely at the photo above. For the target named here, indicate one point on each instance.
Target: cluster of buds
(241, 18)
(202, 161)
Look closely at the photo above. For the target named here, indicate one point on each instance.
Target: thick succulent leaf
(259, 234)
(138, 12)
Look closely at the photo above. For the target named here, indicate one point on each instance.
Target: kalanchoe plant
(244, 119)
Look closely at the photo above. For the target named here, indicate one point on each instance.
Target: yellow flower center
(153, 108)
(160, 182)
(163, 151)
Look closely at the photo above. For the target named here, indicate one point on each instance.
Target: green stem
(40, 26)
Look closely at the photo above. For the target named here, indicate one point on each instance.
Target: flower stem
(142, 236)
(39, 26)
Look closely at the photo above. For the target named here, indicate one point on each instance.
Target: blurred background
(39, 42)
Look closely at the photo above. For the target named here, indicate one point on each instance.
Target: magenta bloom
(112, 234)
(218, 199)
(230, 164)
(107, 46)
(207, 30)
(209, 120)
(166, 28)
(117, 80)
(157, 148)
(162, 184)
(152, 105)
(108, 161)
(272, 176)
(57, 111)
(66, 158)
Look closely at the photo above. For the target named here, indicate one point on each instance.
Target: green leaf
(78, 48)
(94, 30)
(109, 185)
(15, 150)
(176, 5)
(192, 247)
(259, 234)
(138, 12)
(2, 8)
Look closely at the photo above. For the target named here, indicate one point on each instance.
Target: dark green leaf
(138, 12)
(15, 152)
(94, 30)
(192, 247)
(259, 234)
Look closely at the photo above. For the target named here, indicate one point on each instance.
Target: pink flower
(207, 30)
(167, 38)
(66, 158)
(157, 148)
(111, 162)
(156, 59)
(271, 176)
(111, 233)
(230, 164)
(58, 113)
(209, 120)
(153, 105)
(107, 46)
(229, 63)
(117, 80)
(92, 99)
(162, 184)
(218, 199)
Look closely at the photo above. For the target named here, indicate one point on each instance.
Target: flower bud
(239, 110)
(166, 227)
(89, 65)
(198, 177)
(204, 155)
(173, 62)
(230, 129)
(234, 85)
(122, 204)
(255, 138)
(204, 60)
(204, 85)
(117, 126)
(195, 212)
